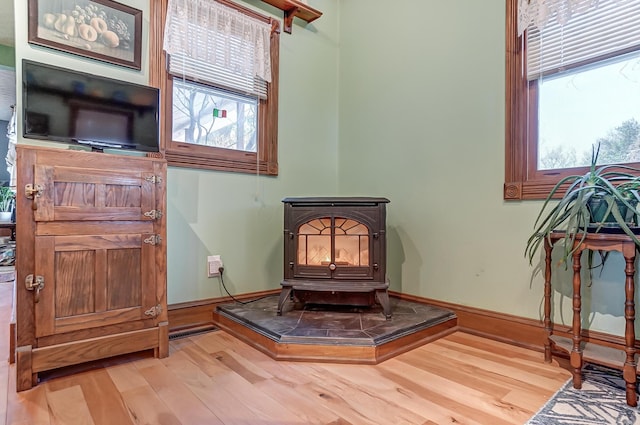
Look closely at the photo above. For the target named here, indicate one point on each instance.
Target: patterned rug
(601, 401)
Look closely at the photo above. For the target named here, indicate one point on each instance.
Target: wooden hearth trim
(195, 314)
(510, 329)
(515, 330)
(333, 353)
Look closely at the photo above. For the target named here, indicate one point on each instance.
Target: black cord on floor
(220, 270)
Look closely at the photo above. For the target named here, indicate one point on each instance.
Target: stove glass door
(338, 245)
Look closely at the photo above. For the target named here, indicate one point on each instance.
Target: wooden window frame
(180, 154)
(522, 181)
(522, 178)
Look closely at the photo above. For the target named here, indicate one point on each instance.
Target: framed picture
(100, 29)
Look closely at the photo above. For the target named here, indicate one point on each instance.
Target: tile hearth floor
(337, 325)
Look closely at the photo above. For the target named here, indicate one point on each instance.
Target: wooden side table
(11, 226)
(577, 349)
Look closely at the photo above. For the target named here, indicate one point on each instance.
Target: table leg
(547, 300)
(575, 358)
(629, 369)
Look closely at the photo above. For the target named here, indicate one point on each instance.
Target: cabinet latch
(154, 179)
(153, 214)
(35, 284)
(153, 239)
(154, 311)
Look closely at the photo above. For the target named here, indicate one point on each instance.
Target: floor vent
(192, 332)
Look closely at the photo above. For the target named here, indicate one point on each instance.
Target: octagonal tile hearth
(347, 334)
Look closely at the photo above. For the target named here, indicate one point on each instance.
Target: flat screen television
(74, 107)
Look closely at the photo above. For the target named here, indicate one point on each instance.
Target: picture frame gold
(104, 30)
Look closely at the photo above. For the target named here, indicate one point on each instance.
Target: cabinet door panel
(123, 267)
(74, 283)
(88, 194)
(93, 280)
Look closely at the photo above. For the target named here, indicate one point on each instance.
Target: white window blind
(209, 42)
(590, 31)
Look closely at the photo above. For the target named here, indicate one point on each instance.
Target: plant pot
(5, 216)
(598, 207)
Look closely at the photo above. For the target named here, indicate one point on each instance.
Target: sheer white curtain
(211, 40)
(11, 150)
(567, 34)
(537, 13)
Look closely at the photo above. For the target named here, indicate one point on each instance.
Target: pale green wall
(239, 216)
(409, 97)
(7, 56)
(422, 123)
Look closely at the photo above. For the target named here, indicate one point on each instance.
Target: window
(219, 73)
(573, 81)
(207, 116)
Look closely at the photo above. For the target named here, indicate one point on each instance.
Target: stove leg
(383, 299)
(284, 294)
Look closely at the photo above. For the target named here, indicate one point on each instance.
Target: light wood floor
(215, 379)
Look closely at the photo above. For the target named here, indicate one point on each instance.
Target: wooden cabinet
(90, 258)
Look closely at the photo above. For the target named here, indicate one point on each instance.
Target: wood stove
(335, 252)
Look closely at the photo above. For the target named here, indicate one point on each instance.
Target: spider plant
(7, 198)
(616, 186)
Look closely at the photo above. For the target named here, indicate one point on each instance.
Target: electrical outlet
(214, 263)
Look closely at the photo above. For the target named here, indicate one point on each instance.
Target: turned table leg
(547, 300)
(575, 357)
(596, 242)
(629, 369)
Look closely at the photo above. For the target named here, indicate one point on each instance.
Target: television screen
(74, 107)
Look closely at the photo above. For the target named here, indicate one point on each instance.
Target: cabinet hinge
(154, 179)
(153, 214)
(153, 240)
(33, 191)
(154, 311)
(36, 284)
